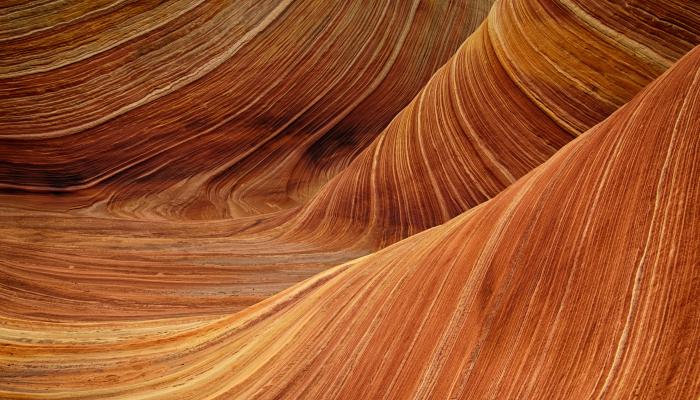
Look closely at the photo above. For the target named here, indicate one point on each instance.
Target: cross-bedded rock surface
(521, 224)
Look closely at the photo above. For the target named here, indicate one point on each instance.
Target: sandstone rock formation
(525, 227)
(503, 104)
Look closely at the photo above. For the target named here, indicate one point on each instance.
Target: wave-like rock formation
(112, 140)
(204, 109)
(133, 245)
(579, 280)
(511, 96)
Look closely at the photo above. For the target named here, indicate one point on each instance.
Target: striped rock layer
(534, 76)
(193, 109)
(579, 280)
(117, 140)
(503, 104)
(288, 199)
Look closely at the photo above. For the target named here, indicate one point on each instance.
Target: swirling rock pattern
(509, 98)
(128, 244)
(166, 167)
(115, 138)
(579, 280)
(202, 109)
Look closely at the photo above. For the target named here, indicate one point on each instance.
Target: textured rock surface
(265, 199)
(543, 291)
(203, 109)
(130, 246)
(511, 96)
(114, 140)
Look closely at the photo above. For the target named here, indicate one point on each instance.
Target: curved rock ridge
(204, 109)
(508, 99)
(579, 280)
